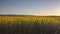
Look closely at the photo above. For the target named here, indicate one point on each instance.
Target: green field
(29, 24)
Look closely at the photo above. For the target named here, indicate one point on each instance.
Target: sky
(30, 7)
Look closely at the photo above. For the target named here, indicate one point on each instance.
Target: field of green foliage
(30, 27)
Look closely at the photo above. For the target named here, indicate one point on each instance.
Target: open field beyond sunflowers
(29, 24)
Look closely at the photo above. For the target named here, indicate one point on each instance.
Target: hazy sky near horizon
(30, 7)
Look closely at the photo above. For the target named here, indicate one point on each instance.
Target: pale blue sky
(30, 7)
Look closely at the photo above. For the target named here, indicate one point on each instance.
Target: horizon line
(24, 15)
